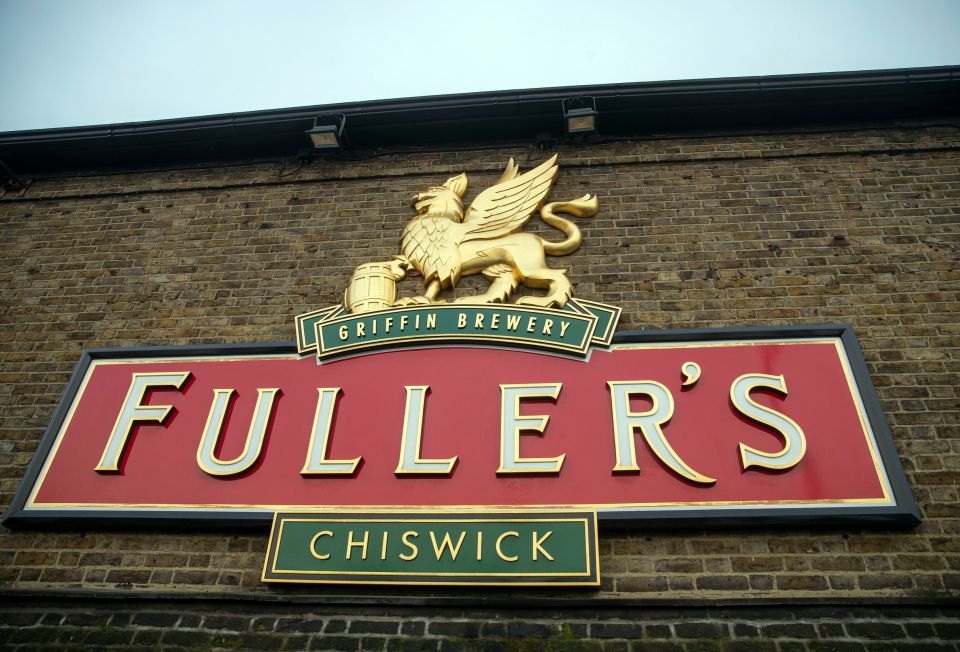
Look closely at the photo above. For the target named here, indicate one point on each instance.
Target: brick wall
(857, 226)
(231, 625)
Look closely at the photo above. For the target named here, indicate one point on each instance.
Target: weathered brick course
(846, 226)
(227, 624)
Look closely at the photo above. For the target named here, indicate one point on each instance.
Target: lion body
(438, 248)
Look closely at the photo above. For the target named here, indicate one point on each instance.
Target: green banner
(476, 548)
(332, 332)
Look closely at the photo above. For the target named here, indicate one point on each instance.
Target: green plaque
(534, 548)
(333, 332)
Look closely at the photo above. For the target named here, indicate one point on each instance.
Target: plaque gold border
(867, 432)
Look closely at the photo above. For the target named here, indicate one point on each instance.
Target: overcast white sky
(84, 62)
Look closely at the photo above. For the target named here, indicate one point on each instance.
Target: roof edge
(485, 98)
(625, 108)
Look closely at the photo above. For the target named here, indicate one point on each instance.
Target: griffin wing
(506, 207)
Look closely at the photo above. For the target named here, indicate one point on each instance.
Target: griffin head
(443, 201)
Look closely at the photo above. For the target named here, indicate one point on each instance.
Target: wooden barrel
(373, 286)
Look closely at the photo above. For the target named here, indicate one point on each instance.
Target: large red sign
(769, 426)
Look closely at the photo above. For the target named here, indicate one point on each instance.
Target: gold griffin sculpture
(443, 243)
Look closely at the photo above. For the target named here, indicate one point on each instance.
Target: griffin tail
(586, 206)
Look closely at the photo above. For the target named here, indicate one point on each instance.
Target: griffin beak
(421, 201)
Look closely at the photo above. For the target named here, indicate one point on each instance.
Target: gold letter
(317, 462)
(313, 544)
(512, 423)
(649, 422)
(795, 443)
(344, 333)
(500, 539)
(410, 461)
(447, 543)
(410, 534)
(212, 432)
(360, 544)
(133, 411)
(537, 545)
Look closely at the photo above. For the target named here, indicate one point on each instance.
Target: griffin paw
(475, 298)
(412, 301)
(540, 302)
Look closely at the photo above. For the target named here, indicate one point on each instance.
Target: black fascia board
(626, 110)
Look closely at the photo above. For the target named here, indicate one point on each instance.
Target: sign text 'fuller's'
(648, 426)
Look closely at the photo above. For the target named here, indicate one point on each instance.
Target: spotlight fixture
(327, 133)
(580, 115)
